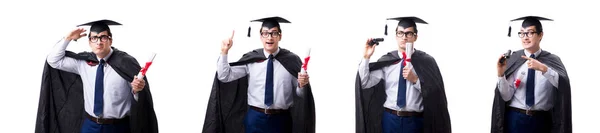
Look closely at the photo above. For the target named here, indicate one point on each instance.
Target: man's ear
(416, 37)
(280, 36)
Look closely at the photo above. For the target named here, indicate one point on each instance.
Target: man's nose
(99, 43)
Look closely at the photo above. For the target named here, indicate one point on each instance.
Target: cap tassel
(248, 31)
(509, 30)
(386, 29)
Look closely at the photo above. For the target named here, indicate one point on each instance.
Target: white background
(465, 37)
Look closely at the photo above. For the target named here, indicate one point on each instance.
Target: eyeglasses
(528, 34)
(405, 34)
(272, 34)
(102, 38)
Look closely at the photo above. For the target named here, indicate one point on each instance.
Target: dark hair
(99, 27)
(533, 22)
(269, 25)
(407, 24)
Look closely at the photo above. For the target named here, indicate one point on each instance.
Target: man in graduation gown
(533, 93)
(391, 98)
(263, 92)
(94, 92)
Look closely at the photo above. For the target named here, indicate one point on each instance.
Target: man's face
(405, 35)
(270, 38)
(100, 42)
(530, 38)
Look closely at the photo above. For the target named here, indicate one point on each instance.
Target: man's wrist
(544, 68)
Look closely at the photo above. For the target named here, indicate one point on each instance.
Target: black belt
(404, 113)
(106, 121)
(529, 112)
(269, 111)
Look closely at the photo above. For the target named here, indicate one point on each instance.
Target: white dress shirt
(283, 82)
(118, 95)
(391, 75)
(543, 94)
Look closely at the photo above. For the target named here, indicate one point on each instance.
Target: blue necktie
(269, 83)
(401, 101)
(99, 90)
(530, 98)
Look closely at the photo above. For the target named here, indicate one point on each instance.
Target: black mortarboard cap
(100, 25)
(269, 22)
(409, 21)
(530, 21)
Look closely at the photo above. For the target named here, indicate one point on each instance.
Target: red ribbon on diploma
(517, 83)
(145, 68)
(518, 80)
(305, 65)
(306, 59)
(142, 73)
(405, 59)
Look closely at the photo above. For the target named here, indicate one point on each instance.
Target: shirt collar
(400, 53)
(107, 56)
(267, 54)
(536, 54)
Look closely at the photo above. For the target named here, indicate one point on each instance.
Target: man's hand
(409, 75)
(226, 44)
(535, 64)
(137, 84)
(302, 79)
(501, 66)
(369, 49)
(75, 34)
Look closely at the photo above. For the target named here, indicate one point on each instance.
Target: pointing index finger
(525, 57)
(232, 34)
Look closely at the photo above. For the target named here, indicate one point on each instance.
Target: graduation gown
(61, 107)
(561, 112)
(369, 102)
(228, 102)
